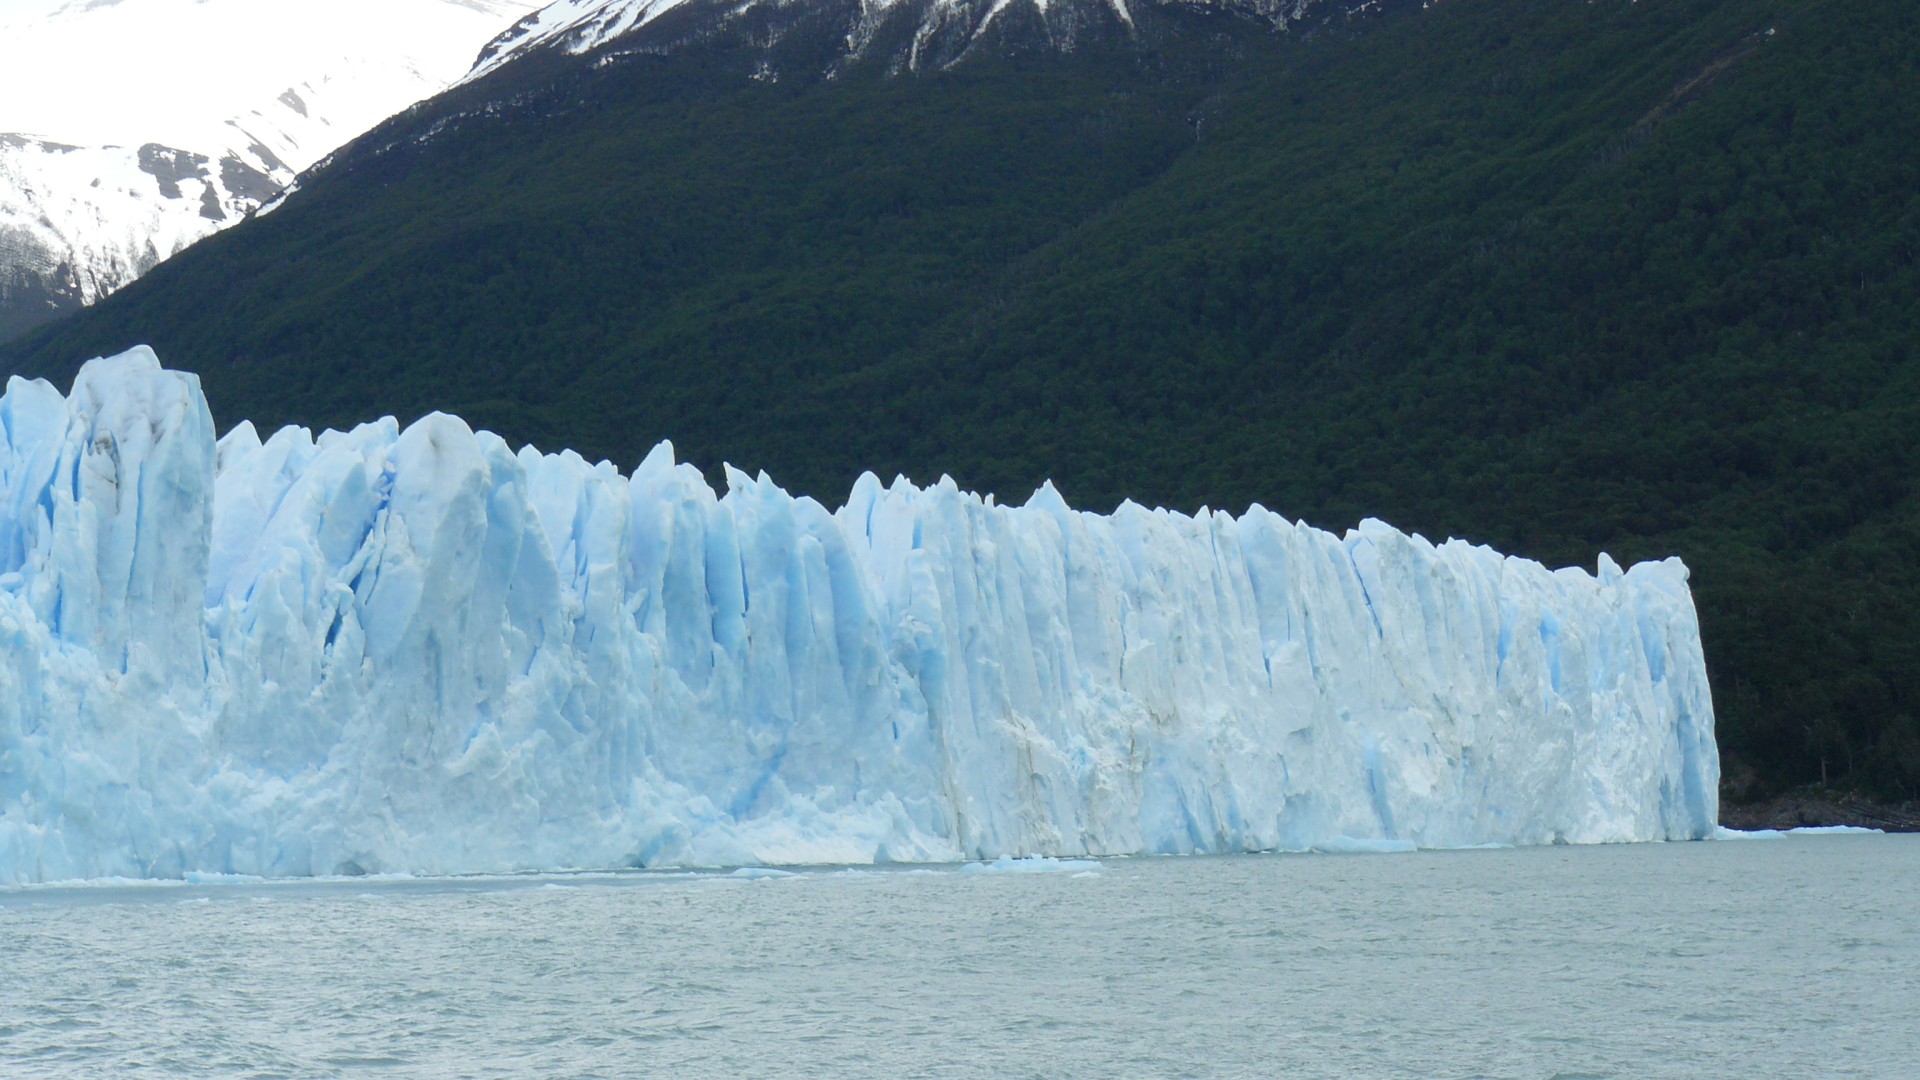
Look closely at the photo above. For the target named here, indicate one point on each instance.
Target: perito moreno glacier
(388, 651)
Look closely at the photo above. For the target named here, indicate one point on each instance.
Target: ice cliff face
(418, 650)
(132, 128)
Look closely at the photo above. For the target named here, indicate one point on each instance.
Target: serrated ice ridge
(419, 651)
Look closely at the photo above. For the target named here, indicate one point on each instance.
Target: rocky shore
(1799, 809)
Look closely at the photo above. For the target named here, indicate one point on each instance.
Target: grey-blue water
(1792, 958)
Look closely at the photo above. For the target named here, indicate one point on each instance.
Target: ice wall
(388, 650)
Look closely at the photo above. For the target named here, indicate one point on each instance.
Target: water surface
(1798, 957)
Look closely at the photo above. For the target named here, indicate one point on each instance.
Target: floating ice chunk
(1032, 865)
(1360, 845)
(1721, 832)
(1835, 830)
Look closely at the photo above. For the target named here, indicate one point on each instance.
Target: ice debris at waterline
(418, 651)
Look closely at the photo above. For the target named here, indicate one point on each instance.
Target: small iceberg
(1355, 845)
(1835, 830)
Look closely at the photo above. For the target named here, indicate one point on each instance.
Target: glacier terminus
(420, 651)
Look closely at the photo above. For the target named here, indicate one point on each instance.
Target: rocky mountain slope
(906, 35)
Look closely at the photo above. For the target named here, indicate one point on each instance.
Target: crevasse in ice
(419, 651)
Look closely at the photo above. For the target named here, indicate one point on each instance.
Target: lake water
(1790, 958)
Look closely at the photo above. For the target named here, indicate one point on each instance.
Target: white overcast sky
(116, 71)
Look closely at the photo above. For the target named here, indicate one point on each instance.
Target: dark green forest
(1551, 275)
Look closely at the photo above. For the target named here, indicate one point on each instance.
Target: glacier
(420, 651)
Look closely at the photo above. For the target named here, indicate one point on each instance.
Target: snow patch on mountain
(575, 26)
(580, 26)
(100, 216)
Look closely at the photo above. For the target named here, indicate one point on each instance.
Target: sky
(93, 72)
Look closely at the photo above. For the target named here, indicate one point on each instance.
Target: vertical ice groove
(419, 650)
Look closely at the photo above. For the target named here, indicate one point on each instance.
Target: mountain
(131, 128)
(904, 35)
(1559, 277)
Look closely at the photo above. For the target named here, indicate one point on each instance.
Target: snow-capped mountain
(915, 33)
(131, 128)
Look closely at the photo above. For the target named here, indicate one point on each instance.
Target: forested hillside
(1552, 275)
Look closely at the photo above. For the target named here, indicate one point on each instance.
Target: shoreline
(1809, 809)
